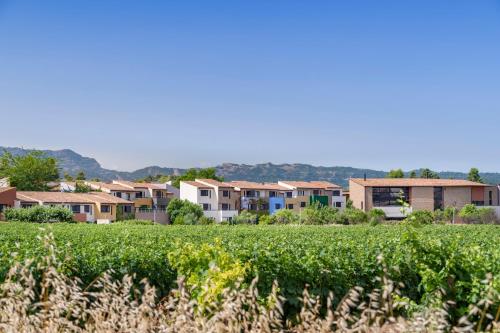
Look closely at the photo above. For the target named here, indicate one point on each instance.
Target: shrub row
(39, 214)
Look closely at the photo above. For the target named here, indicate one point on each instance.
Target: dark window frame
(386, 196)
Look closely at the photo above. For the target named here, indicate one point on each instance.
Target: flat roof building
(419, 193)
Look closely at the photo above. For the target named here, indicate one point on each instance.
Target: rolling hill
(72, 162)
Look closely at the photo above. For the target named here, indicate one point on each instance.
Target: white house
(219, 200)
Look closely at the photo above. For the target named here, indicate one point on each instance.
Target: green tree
(413, 174)
(67, 177)
(81, 187)
(177, 209)
(30, 172)
(474, 176)
(429, 174)
(80, 176)
(192, 174)
(396, 173)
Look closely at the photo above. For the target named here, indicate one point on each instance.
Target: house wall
(99, 215)
(148, 202)
(296, 203)
(8, 197)
(478, 194)
(233, 200)
(457, 196)
(495, 197)
(357, 194)
(276, 201)
(422, 198)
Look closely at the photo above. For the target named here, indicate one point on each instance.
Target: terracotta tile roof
(153, 186)
(101, 197)
(313, 184)
(196, 184)
(52, 197)
(214, 182)
(414, 182)
(110, 186)
(3, 189)
(243, 184)
(66, 197)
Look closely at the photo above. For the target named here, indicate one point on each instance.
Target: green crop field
(327, 258)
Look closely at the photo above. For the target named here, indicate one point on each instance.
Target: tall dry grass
(36, 297)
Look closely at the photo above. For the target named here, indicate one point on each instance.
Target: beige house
(86, 207)
(300, 194)
(420, 194)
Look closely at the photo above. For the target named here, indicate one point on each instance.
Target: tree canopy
(413, 174)
(429, 174)
(192, 174)
(474, 176)
(396, 173)
(30, 172)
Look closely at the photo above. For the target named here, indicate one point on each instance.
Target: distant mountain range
(72, 163)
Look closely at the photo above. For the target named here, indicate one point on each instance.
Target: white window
(86, 208)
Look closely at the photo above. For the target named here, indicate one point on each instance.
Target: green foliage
(30, 172)
(474, 176)
(478, 215)
(80, 176)
(318, 214)
(419, 217)
(192, 174)
(67, 177)
(188, 218)
(39, 214)
(413, 174)
(396, 173)
(355, 216)
(81, 187)
(208, 269)
(431, 258)
(245, 217)
(349, 204)
(204, 220)
(429, 174)
(134, 222)
(285, 216)
(265, 219)
(376, 216)
(178, 208)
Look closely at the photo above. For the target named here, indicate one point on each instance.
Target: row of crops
(453, 259)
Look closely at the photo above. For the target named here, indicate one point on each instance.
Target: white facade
(207, 198)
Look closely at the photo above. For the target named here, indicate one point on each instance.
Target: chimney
(364, 176)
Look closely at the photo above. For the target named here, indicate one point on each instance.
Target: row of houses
(222, 201)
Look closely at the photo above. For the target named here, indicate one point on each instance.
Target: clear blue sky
(377, 84)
